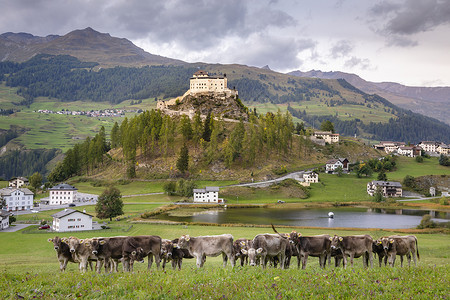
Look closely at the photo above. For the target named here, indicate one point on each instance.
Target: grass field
(29, 268)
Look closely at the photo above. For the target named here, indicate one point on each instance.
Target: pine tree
(115, 136)
(183, 159)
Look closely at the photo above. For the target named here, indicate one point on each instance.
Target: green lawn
(409, 166)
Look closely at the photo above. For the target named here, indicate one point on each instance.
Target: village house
(333, 164)
(18, 182)
(71, 220)
(311, 177)
(429, 146)
(327, 136)
(209, 194)
(17, 198)
(387, 188)
(62, 194)
(443, 149)
(410, 151)
(4, 219)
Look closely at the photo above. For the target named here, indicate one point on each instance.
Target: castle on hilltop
(202, 83)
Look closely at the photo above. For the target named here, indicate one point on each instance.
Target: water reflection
(343, 217)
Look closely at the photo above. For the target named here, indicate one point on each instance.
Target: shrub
(443, 201)
(426, 222)
(419, 159)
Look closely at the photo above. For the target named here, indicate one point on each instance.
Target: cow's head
(253, 254)
(377, 246)
(183, 242)
(293, 237)
(96, 245)
(138, 255)
(167, 248)
(73, 243)
(387, 243)
(336, 241)
(56, 242)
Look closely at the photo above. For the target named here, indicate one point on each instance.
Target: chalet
(17, 198)
(409, 151)
(327, 136)
(333, 164)
(4, 219)
(209, 194)
(71, 220)
(18, 182)
(387, 188)
(443, 149)
(311, 177)
(62, 194)
(429, 146)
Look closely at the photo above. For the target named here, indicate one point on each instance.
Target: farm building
(71, 220)
(62, 194)
(17, 198)
(4, 219)
(209, 194)
(387, 188)
(17, 182)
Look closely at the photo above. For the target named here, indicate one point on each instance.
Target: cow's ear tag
(102, 242)
(341, 238)
(81, 241)
(391, 241)
(188, 238)
(330, 238)
(244, 251)
(242, 243)
(259, 250)
(50, 240)
(379, 242)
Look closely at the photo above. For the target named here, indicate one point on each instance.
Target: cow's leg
(157, 261)
(401, 261)
(199, 261)
(99, 266)
(224, 259)
(263, 261)
(344, 259)
(304, 260)
(413, 252)
(150, 261)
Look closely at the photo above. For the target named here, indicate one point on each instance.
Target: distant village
(91, 113)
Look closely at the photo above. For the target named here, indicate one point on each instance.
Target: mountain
(86, 44)
(430, 101)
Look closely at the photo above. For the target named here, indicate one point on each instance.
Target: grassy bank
(29, 269)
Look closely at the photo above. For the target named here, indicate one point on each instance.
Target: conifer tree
(183, 159)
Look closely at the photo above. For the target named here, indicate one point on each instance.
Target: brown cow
(108, 250)
(62, 252)
(138, 247)
(203, 246)
(170, 252)
(401, 245)
(377, 249)
(354, 247)
(315, 246)
(266, 246)
(238, 245)
(80, 251)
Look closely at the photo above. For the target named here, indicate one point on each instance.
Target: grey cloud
(354, 62)
(341, 49)
(408, 18)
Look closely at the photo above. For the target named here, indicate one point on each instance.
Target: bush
(419, 159)
(443, 201)
(426, 222)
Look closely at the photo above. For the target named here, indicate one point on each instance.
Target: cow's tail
(273, 227)
(417, 248)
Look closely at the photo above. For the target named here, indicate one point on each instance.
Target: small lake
(317, 217)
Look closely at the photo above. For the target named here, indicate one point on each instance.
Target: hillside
(430, 101)
(86, 45)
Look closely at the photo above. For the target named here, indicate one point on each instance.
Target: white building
(71, 220)
(443, 149)
(4, 219)
(209, 194)
(429, 146)
(333, 164)
(388, 188)
(202, 82)
(62, 194)
(18, 182)
(311, 177)
(327, 136)
(17, 198)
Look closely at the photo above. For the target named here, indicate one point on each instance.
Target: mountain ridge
(437, 99)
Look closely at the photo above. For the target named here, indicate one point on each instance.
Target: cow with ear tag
(202, 246)
(354, 246)
(238, 246)
(401, 245)
(377, 249)
(108, 250)
(62, 252)
(80, 252)
(266, 247)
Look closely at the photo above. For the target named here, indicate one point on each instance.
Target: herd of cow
(276, 249)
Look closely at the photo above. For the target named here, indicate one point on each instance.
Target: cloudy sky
(405, 41)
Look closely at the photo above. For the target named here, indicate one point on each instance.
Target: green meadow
(29, 269)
